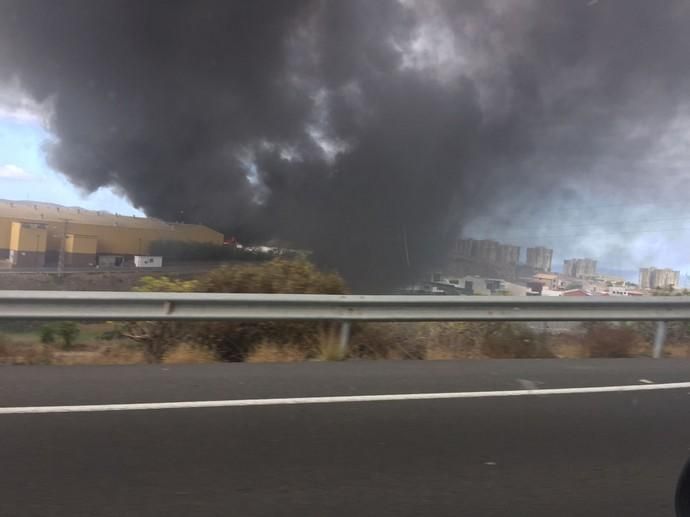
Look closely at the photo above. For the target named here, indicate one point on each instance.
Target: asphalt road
(591, 455)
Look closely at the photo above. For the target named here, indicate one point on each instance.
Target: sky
(25, 175)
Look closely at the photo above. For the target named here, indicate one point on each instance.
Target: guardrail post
(659, 339)
(344, 337)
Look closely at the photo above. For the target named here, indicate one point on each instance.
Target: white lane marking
(339, 399)
(646, 381)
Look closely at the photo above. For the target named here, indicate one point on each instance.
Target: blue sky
(25, 175)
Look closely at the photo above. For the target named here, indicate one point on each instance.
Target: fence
(86, 305)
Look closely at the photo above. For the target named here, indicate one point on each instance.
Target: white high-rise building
(653, 278)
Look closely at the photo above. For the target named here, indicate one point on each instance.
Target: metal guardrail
(97, 305)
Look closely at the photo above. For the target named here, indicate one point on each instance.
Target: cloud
(17, 105)
(9, 171)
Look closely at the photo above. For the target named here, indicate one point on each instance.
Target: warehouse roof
(36, 211)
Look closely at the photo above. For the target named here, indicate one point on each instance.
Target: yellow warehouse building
(34, 235)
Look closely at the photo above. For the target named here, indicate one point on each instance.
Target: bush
(67, 331)
(276, 276)
(513, 340)
(605, 340)
(234, 341)
(47, 334)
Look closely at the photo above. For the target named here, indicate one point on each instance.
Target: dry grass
(434, 341)
(328, 345)
(25, 352)
(507, 340)
(12, 352)
(430, 341)
(439, 353)
(568, 346)
(452, 341)
(604, 340)
(325, 348)
(189, 354)
(115, 354)
(677, 350)
(387, 341)
(267, 352)
(330, 351)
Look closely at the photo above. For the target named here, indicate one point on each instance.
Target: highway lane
(594, 455)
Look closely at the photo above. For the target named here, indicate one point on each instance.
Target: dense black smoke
(369, 131)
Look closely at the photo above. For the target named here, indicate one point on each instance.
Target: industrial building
(38, 234)
(540, 258)
(653, 278)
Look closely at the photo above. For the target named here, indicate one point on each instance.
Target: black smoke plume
(368, 131)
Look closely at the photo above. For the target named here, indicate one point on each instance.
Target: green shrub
(47, 334)
(67, 331)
